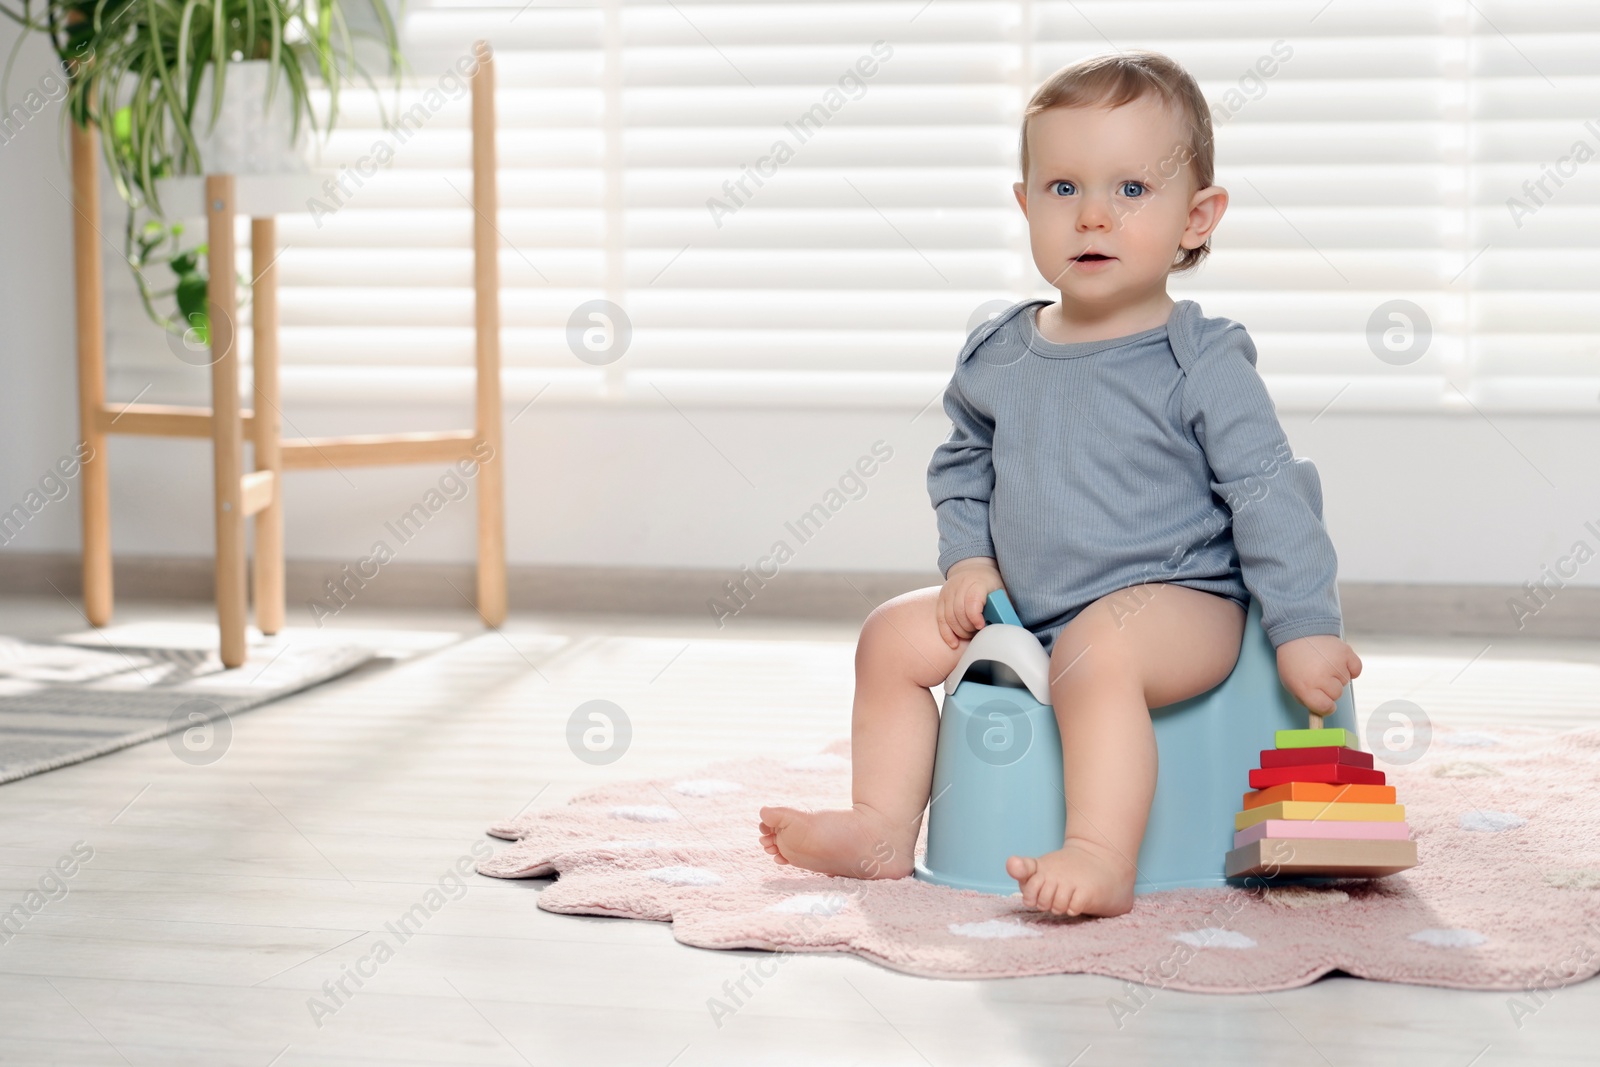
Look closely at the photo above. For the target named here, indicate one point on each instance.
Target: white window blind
(1372, 165)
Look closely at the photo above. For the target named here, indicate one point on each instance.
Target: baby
(1115, 463)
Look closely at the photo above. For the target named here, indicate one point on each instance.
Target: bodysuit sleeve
(961, 479)
(1276, 499)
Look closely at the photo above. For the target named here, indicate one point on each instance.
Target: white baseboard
(1422, 610)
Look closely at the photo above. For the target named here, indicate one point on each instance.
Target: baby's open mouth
(1091, 257)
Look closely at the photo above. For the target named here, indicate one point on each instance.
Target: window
(1410, 179)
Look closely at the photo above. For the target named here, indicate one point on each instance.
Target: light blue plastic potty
(997, 782)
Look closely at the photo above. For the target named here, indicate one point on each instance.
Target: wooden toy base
(1272, 856)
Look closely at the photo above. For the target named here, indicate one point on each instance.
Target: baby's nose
(1095, 215)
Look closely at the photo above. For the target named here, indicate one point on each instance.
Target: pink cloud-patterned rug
(1506, 894)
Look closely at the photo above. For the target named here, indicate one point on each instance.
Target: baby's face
(1115, 183)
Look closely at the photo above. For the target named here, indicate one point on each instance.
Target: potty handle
(1014, 657)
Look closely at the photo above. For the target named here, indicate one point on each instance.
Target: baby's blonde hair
(1117, 78)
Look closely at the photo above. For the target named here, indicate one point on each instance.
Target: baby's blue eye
(1133, 188)
(1063, 188)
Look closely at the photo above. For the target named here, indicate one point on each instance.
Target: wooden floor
(221, 898)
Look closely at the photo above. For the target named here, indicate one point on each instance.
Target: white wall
(1435, 499)
(38, 415)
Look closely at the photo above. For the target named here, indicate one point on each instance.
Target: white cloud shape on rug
(825, 904)
(644, 813)
(706, 787)
(685, 876)
(1458, 938)
(822, 761)
(1465, 769)
(994, 929)
(1214, 937)
(1492, 822)
(1468, 740)
(1576, 879)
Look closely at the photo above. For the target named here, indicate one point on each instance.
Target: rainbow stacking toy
(1318, 808)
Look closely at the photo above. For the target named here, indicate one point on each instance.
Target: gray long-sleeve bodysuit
(1157, 457)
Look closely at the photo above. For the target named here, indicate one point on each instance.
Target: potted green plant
(182, 87)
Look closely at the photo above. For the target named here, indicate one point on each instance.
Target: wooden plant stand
(257, 494)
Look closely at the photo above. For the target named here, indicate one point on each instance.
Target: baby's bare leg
(894, 730)
(1126, 653)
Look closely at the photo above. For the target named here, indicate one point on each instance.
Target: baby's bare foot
(851, 842)
(1080, 878)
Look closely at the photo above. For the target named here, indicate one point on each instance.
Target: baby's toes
(1021, 868)
(1029, 888)
(1038, 890)
(776, 818)
(1025, 869)
(1061, 904)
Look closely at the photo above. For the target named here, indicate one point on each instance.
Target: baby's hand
(961, 600)
(1316, 669)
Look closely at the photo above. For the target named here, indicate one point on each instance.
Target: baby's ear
(1205, 213)
(1021, 191)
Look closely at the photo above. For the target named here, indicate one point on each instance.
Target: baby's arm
(1276, 501)
(960, 484)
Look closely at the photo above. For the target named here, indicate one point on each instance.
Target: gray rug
(67, 701)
